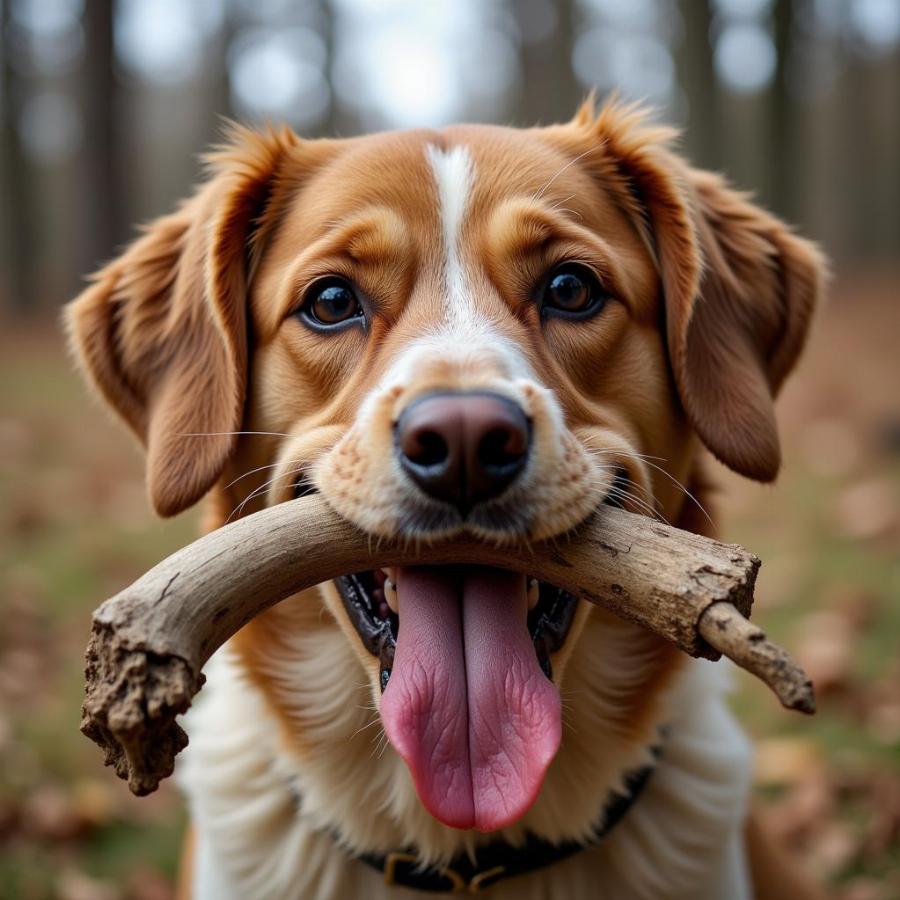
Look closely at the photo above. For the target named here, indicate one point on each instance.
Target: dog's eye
(331, 302)
(573, 292)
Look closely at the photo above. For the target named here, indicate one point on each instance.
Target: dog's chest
(682, 839)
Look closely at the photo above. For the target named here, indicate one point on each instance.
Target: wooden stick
(150, 642)
(730, 633)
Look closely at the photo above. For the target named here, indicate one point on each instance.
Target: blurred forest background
(106, 105)
(105, 108)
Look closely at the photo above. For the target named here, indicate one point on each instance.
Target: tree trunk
(697, 78)
(17, 213)
(102, 227)
(549, 91)
(782, 150)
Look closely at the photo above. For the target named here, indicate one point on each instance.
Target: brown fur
(191, 332)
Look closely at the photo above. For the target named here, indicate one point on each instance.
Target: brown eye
(573, 292)
(331, 303)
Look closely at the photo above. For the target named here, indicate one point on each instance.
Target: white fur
(454, 174)
(463, 336)
(464, 329)
(681, 840)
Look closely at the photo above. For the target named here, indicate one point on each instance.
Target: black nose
(463, 448)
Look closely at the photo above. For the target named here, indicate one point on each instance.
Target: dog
(484, 329)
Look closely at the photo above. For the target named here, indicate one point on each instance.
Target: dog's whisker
(258, 469)
(646, 459)
(609, 451)
(604, 483)
(633, 484)
(622, 494)
(240, 507)
(363, 728)
(628, 497)
(571, 212)
(681, 487)
(648, 501)
(259, 491)
(537, 196)
(381, 743)
(231, 433)
(558, 207)
(560, 203)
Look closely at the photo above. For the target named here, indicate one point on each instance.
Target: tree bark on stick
(150, 642)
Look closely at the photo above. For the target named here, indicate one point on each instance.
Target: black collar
(498, 860)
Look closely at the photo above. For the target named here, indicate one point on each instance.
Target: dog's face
(478, 265)
(479, 329)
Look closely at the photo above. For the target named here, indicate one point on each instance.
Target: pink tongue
(467, 705)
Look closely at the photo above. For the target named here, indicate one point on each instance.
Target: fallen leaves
(867, 509)
(831, 791)
(831, 447)
(72, 884)
(825, 649)
(835, 822)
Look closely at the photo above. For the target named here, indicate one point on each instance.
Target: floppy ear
(161, 331)
(739, 287)
(734, 344)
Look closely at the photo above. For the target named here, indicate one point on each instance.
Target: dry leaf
(825, 648)
(74, 885)
(867, 509)
(834, 849)
(831, 447)
(49, 814)
(786, 761)
(146, 883)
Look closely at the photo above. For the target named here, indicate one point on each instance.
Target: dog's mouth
(550, 609)
(468, 699)
(550, 614)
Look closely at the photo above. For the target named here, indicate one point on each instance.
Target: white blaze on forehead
(453, 173)
(464, 334)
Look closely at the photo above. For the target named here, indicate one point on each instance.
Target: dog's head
(479, 328)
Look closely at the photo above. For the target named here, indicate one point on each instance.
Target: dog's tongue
(467, 705)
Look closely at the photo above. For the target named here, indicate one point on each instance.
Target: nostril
(426, 448)
(502, 447)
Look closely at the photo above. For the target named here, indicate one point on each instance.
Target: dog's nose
(463, 448)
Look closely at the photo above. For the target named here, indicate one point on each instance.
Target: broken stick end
(724, 628)
(132, 697)
(797, 694)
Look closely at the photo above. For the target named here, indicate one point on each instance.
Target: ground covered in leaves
(74, 529)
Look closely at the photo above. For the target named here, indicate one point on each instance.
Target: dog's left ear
(740, 288)
(161, 331)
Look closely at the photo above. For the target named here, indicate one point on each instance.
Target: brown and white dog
(475, 328)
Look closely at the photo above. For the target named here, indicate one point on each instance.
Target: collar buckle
(396, 862)
(485, 879)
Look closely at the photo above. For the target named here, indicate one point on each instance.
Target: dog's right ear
(161, 331)
(739, 286)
